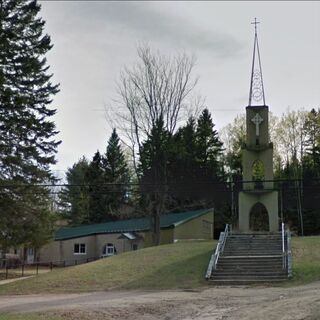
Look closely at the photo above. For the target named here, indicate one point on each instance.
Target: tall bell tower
(258, 201)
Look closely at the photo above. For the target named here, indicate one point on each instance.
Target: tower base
(248, 199)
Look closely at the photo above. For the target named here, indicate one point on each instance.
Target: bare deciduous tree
(157, 89)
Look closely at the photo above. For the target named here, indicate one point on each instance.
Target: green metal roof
(131, 225)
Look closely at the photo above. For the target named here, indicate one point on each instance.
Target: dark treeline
(187, 173)
(190, 169)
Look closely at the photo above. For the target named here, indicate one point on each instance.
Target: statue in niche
(258, 174)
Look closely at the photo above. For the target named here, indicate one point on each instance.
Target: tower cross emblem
(257, 121)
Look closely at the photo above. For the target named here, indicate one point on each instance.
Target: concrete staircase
(250, 258)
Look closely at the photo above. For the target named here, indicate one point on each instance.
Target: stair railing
(289, 254)
(219, 249)
(284, 258)
(227, 230)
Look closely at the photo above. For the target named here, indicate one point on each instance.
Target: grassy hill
(180, 265)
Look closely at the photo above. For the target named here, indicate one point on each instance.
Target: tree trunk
(156, 238)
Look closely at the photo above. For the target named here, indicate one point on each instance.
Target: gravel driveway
(238, 302)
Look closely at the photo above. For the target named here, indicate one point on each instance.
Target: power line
(239, 182)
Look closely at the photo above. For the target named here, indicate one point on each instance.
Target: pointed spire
(256, 95)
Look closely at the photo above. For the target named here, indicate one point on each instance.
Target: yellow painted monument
(258, 201)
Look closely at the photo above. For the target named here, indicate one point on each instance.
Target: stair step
(251, 272)
(250, 253)
(240, 282)
(247, 276)
(250, 258)
(251, 266)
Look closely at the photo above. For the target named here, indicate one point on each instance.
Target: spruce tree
(182, 166)
(27, 143)
(74, 197)
(115, 165)
(115, 172)
(97, 209)
(209, 146)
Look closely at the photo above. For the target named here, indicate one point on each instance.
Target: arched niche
(258, 173)
(259, 218)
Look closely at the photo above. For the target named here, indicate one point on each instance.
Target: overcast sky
(93, 40)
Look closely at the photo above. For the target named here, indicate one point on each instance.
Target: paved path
(13, 280)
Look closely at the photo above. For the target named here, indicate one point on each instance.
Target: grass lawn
(306, 259)
(16, 273)
(179, 265)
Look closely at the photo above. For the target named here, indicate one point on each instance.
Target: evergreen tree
(154, 174)
(116, 172)
(209, 147)
(74, 197)
(185, 138)
(97, 190)
(115, 165)
(97, 208)
(27, 144)
(183, 168)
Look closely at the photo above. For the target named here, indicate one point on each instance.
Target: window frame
(80, 247)
(106, 249)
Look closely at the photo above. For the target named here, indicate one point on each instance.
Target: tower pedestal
(247, 200)
(258, 199)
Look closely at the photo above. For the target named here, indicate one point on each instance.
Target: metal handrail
(284, 264)
(289, 254)
(219, 249)
(226, 234)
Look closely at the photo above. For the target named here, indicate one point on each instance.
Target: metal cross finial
(255, 24)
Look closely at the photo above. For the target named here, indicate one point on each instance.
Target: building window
(79, 248)
(109, 250)
(134, 246)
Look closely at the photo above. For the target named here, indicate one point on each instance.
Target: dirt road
(237, 302)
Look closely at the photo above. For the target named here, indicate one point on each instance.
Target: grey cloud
(148, 21)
